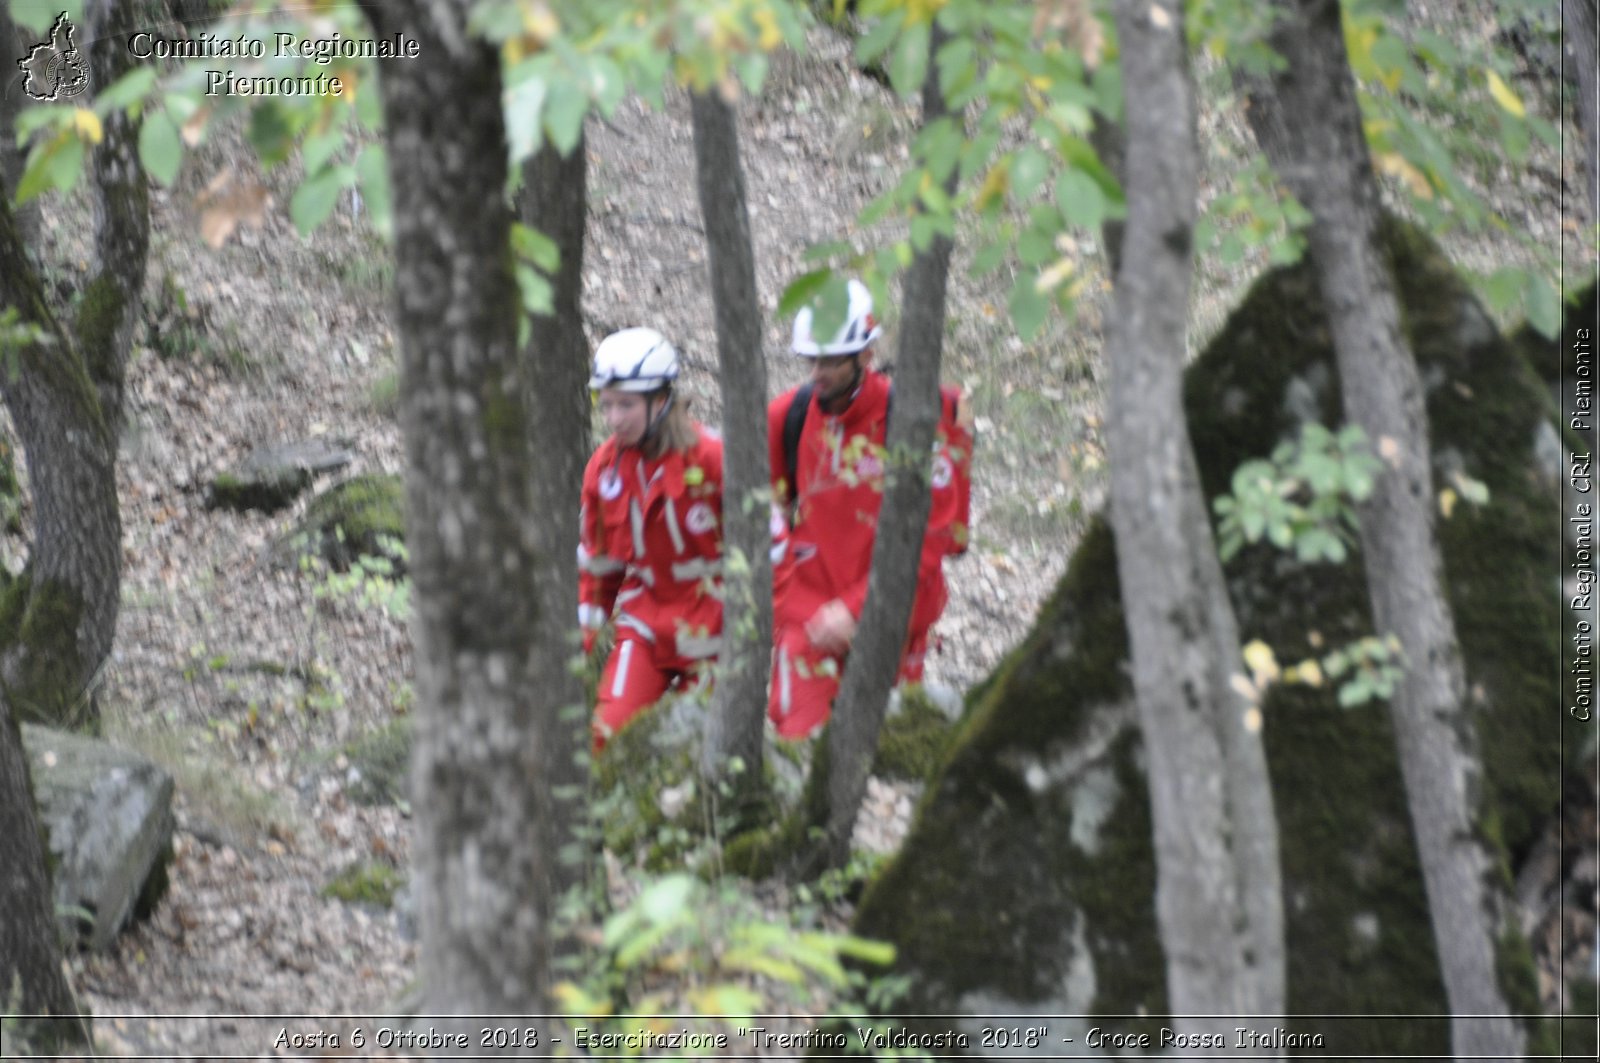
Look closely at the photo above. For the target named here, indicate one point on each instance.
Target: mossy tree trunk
(738, 704)
(874, 661)
(1218, 896)
(58, 620)
(1579, 24)
(554, 201)
(65, 400)
(1308, 120)
(481, 798)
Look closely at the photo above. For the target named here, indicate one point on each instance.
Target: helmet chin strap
(653, 425)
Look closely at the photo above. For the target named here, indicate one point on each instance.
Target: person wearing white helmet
(650, 540)
(826, 442)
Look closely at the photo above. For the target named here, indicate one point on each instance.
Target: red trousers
(805, 680)
(636, 675)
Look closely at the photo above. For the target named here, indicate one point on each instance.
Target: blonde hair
(676, 432)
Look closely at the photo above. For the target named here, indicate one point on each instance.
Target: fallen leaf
(229, 201)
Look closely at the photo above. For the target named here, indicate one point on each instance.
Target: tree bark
(554, 200)
(13, 43)
(1579, 27)
(1218, 894)
(482, 799)
(1308, 119)
(66, 404)
(874, 661)
(30, 953)
(734, 730)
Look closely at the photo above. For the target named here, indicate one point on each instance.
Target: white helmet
(635, 359)
(857, 333)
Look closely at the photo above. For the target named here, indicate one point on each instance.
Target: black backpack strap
(794, 421)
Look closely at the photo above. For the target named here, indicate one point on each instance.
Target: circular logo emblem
(700, 519)
(610, 485)
(943, 471)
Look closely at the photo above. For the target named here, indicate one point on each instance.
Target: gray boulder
(1027, 883)
(108, 815)
(270, 478)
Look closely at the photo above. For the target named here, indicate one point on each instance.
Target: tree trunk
(14, 42)
(874, 660)
(482, 800)
(554, 201)
(1309, 121)
(30, 953)
(66, 404)
(1217, 898)
(1578, 23)
(734, 730)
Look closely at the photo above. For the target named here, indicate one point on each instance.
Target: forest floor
(245, 677)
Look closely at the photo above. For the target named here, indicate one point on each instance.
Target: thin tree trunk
(554, 201)
(1579, 26)
(482, 799)
(1309, 121)
(1217, 897)
(874, 659)
(734, 730)
(14, 42)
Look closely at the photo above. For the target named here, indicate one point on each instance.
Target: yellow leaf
(1447, 502)
(1252, 720)
(1262, 661)
(769, 37)
(1397, 165)
(1243, 687)
(1504, 96)
(1309, 672)
(87, 123)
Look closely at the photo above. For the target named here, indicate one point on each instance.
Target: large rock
(271, 477)
(364, 516)
(1027, 884)
(108, 814)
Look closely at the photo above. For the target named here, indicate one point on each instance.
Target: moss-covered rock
(1027, 884)
(270, 478)
(362, 517)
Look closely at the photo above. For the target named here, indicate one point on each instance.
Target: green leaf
(879, 953)
(1027, 173)
(372, 175)
(127, 90)
(524, 110)
(538, 297)
(563, 116)
(989, 257)
(1080, 199)
(534, 246)
(909, 63)
(873, 43)
(160, 150)
(56, 164)
(319, 149)
(667, 900)
(270, 132)
(315, 199)
(801, 291)
(1028, 305)
(1544, 306)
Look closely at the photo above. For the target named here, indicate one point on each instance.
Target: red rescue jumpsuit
(650, 549)
(839, 468)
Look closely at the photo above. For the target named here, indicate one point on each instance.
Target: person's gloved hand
(832, 628)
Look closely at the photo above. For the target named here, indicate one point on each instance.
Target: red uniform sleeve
(783, 492)
(599, 573)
